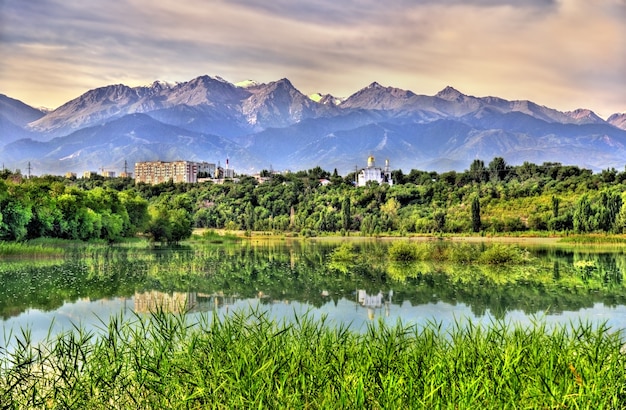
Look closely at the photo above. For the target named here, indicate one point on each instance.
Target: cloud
(359, 11)
(564, 54)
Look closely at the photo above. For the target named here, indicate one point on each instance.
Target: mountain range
(262, 126)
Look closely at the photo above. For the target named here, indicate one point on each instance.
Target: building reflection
(181, 302)
(374, 302)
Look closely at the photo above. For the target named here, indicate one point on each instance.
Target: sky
(564, 54)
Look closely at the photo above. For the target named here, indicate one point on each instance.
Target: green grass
(598, 239)
(30, 250)
(212, 236)
(54, 247)
(249, 361)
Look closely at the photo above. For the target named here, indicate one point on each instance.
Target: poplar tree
(476, 214)
(346, 217)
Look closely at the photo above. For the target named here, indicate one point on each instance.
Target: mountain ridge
(274, 124)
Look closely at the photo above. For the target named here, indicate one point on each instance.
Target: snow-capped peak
(246, 84)
(159, 84)
(325, 99)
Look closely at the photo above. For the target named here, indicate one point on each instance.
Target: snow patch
(382, 143)
(246, 84)
(71, 156)
(317, 97)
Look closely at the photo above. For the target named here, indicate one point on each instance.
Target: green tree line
(493, 198)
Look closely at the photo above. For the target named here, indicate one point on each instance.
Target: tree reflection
(313, 273)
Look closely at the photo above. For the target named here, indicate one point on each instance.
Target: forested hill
(488, 198)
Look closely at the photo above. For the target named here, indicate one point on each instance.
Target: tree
(477, 171)
(71, 206)
(555, 206)
(608, 210)
(318, 173)
(14, 219)
(248, 217)
(620, 223)
(112, 226)
(398, 177)
(497, 169)
(181, 225)
(159, 228)
(476, 223)
(584, 218)
(346, 216)
(390, 210)
(440, 220)
(137, 210)
(169, 225)
(527, 171)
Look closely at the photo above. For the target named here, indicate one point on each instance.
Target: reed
(31, 250)
(249, 361)
(212, 236)
(597, 239)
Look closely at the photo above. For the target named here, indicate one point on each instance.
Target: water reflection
(176, 302)
(374, 302)
(351, 282)
(181, 302)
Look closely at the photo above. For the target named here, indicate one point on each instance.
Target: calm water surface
(559, 286)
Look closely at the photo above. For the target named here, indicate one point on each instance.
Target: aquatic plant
(246, 360)
(402, 251)
(25, 249)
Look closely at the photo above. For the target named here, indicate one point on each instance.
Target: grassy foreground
(249, 361)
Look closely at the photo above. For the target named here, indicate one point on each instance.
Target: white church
(372, 173)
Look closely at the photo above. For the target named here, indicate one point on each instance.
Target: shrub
(463, 253)
(402, 251)
(501, 254)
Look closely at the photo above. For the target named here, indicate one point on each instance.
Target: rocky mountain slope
(274, 125)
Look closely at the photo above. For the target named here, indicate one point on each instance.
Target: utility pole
(29, 168)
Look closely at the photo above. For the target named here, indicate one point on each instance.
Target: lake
(288, 278)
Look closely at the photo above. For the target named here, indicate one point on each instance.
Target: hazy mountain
(278, 104)
(14, 116)
(261, 125)
(618, 120)
(106, 103)
(94, 107)
(439, 145)
(10, 132)
(17, 112)
(131, 138)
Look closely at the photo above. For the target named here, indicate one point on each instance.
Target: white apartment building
(157, 172)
